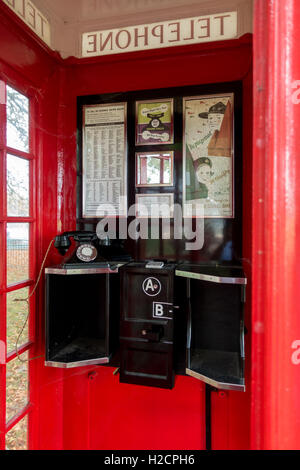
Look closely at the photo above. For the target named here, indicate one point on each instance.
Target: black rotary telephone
(89, 249)
(86, 250)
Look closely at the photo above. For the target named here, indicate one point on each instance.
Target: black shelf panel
(80, 349)
(221, 367)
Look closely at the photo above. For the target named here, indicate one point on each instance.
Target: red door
(17, 232)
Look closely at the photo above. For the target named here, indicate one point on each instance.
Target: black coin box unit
(202, 335)
(82, 315)
(147, 325)
(215, 324)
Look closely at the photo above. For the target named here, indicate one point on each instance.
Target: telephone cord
(28, 310)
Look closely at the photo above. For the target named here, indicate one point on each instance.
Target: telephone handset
(86, 249)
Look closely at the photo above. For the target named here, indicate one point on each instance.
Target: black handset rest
(84, 236)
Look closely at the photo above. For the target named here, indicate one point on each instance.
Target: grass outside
(16, 438)
(16, 316)
(16, 371)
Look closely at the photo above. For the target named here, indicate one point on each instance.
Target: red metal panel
(45, 425)
(124, 416)
(28, 59)
(205, 63)
(276, 234)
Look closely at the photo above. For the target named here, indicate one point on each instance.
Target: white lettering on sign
(151, 286)
(26, 10)
(162, 310)
(156, 35)
(159, 310)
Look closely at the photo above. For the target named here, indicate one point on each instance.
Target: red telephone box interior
(87, 408)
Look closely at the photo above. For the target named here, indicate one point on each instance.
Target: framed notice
(155, 206)
(208, 155)
(154, 122)
(104, 181)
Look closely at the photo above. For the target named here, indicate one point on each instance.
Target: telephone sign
(151, 286)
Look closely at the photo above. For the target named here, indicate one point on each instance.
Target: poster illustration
(154, 122)
(208, 155)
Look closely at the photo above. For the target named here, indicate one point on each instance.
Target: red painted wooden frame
(54, 85)
(4, 288)
(275, 411)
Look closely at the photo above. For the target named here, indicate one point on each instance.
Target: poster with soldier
(154, 122)
(208, 155)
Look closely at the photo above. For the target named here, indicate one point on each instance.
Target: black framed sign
(157, 170)
(104, 160)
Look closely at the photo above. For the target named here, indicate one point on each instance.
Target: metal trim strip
(69, 271)
(210, 278)
(69, 365)
(214, 383)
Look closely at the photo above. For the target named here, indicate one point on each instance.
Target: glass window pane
(17, 186)
(16, 438)
(16, 386)
(153, 170)
(17, 252)
(16, 315)
(17, 120)
(167, 171)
